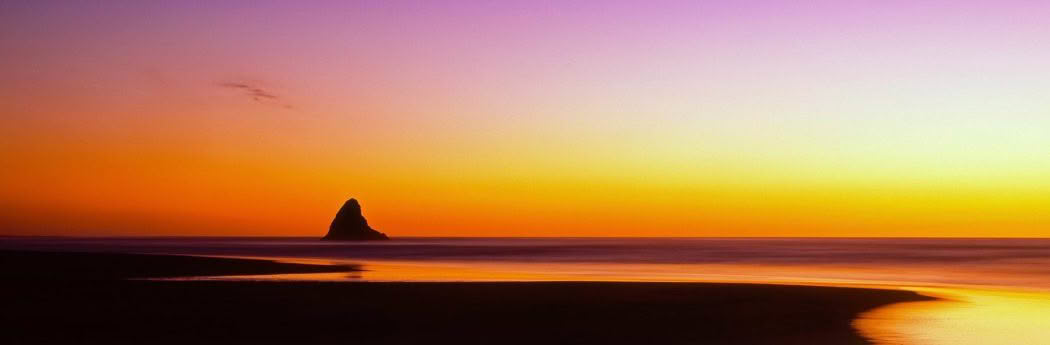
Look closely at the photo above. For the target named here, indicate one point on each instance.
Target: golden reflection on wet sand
(395, 270)
(962, 316)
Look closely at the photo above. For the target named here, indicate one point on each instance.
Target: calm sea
(1023, 263)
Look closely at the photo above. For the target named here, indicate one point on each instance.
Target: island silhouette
(350, 225)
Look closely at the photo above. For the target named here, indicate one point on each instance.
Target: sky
(526, 118)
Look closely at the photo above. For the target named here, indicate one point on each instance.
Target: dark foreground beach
(75, 304)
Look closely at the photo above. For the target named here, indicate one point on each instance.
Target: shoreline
(54, 265)
(111, 309)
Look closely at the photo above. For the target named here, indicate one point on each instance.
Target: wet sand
(962, 316)
(67, 307)
(17, 264)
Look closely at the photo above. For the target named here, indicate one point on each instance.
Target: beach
(69, 307)
(525, 172)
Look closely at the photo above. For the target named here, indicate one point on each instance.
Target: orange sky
(673, 119)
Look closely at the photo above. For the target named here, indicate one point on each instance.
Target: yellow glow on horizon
(160, 188)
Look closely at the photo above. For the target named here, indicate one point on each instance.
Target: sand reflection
(961, 317)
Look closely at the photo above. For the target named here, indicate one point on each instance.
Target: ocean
(1015, 263)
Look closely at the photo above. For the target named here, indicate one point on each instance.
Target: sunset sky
(530, 118)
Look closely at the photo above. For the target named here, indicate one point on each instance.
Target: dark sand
(77, 310)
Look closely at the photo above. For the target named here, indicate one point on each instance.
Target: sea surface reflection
(963, 316)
